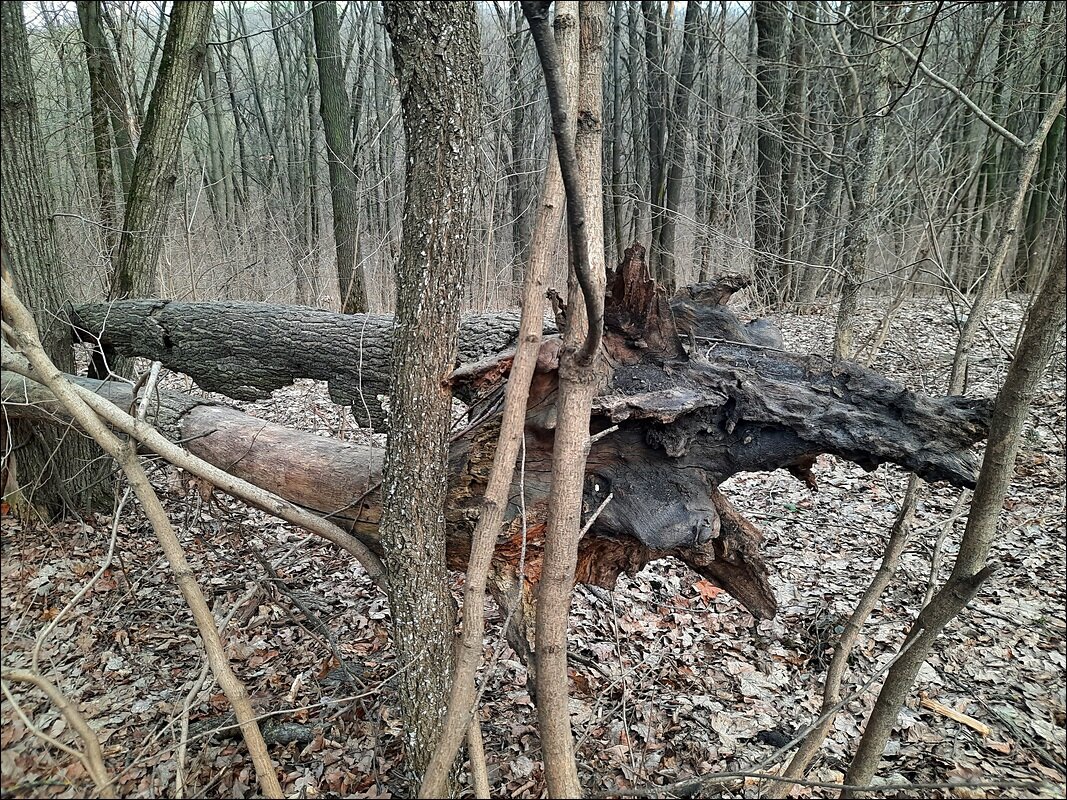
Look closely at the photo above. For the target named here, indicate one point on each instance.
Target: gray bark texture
(155, 168)
(336, 118)
(42, 466)
(439, 72)
(769, 16)
(247, 350)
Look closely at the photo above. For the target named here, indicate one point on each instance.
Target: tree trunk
(656, 112)
(770, 24)
(88, 16)
(268, 346)
(641, 224)
(154, 171)
(521, 146)
(44, 468)
(1046, 187)
(219, 149)
(573, 66)
(336, 115)
(105, 90)
(795, 126)
(861, 221)
(617, 176)
(677, 144)
(296, 154)
(436, 55)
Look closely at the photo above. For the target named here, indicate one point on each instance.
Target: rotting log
(694, 397)
(340, 481)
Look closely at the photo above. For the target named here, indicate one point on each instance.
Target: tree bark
(101, 124)
(677, 143)
(656, 114)
(124, 452)
(154, 170)
(43, 467)
(795, 127)
(641, 222)
(268, 346)
(462, 706)
(105, 90)
(435, 51)
(769, 17)
(336, 115)
(861, 220)
(684, 425)
(575, 97)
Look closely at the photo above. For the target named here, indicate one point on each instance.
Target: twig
(993, 125)
(93, 757)
(37, 645)
(592, 519)
(596, 437)
(183, 739)
(277, 27)
(835, 673)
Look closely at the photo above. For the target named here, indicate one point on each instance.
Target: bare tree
(111, 135)
(861, 221)
(49, 469)
(336, 120)
(770, 21)
(571, 68)
(435, 50)
(135, 264)
(663, 233)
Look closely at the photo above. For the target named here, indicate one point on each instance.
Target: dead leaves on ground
(673, 678)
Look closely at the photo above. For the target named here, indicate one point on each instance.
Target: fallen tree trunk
(694, 398)
(340, 481)
(247, 350)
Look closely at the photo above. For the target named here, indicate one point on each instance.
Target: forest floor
(672, 678)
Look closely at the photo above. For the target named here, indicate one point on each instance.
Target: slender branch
(20, 325)
(277, 27)
(93, 757)
(156, 442)
(994, 126)
(536, 13)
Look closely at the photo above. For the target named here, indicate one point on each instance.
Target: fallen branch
(19, 327)
(956, 716)
(153, 440)
(93, 757)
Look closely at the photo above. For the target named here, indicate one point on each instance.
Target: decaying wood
(695, 398)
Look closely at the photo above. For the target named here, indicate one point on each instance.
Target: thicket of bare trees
(785, 138)
(357, 156)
